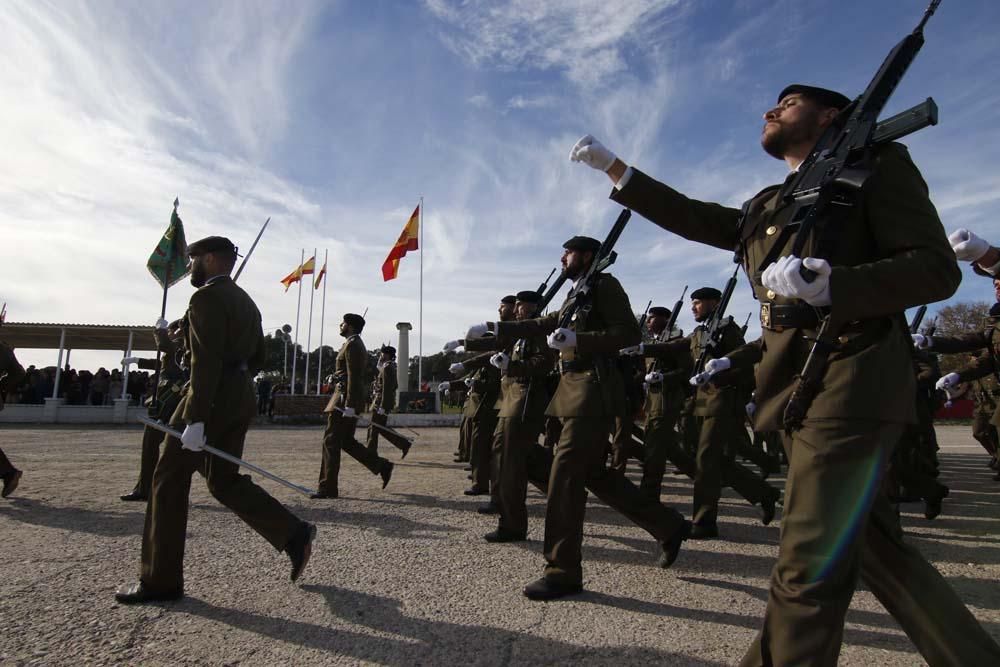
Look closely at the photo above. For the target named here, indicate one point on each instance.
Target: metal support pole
(62, 344)
(128, 353)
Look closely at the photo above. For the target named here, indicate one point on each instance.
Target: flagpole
(298, 309)
(420, 316)
(309, 332)
(322, 319)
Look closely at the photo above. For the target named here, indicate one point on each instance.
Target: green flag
(169, 261)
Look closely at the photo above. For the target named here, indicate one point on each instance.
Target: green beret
(529, 296)
(211, 244)
(829, 98)
(510, 300)
(355, 321)
(659, 310)
(703, 293)
(582, 244)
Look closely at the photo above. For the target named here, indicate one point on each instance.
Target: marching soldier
(168, 395)
(226, 348)
(589, 397)
(11, 373)
(347, 402)
(384, 401)
(891, 254)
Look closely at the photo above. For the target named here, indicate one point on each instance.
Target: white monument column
(403, 358)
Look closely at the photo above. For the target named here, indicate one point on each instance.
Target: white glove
(381, 365)
(349, 413)
(380, 411)
(130, 360)
(501, 360)
(477, 331)
(444, 386)
(452, 345)
(967, 246)
(783, 277)
(460, 349)
(160, 324)
(562, 339)
(922, 342)
(751, 409)
(193, 437)
(947, 382)
(712, 367)
(592, 153)
(656, 377)
(456, 368)
(634, 351)
(469, 382)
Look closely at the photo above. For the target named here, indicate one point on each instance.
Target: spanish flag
(319, 276)
(407, 241)
(296, 275)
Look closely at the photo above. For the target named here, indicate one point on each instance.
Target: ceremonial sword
(159, 426)
(380, 427)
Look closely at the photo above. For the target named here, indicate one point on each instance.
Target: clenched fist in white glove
(947, 382)
(967, 246)
(654, 377)
(380, 411)
(633, 351)
(444, 386)
(160, 323)
(922, 342)
(562, 339)
(500, 360)
(452, 345)
(456, 368)
(477, 330)
(127, 361)
(784, 278)
(712, 367)
(193, 437)
(592, 153)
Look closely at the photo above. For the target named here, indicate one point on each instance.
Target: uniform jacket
(226, 345)
(349, 376)
(665, 399)
(892, 253)
(524, 385)
(484, 383)
(602, 327)
(983, 365)
(172, 376)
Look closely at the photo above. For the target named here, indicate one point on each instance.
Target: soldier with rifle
(384, 401)
(595, 321)
(834, 255)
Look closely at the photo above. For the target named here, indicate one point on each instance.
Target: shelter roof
(45, 336)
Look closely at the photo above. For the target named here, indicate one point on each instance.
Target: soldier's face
(345, 329)
(795, 122)
(506, 312)
(996, 289)
(524, 310)
(575, 262)
(199, 272)
(702, 308)
(655, 324)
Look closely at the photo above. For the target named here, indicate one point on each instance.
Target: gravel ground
(403, 577)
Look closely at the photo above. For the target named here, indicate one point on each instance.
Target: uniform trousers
(374, 433)
(659, 442)
(464, 438)
(339, 435)
(517, 439)
(481, 455)
(984, 431)
(838, 526)
(6, 467)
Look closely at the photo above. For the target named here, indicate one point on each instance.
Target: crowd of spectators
(81, 387)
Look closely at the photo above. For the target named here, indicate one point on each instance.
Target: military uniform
(226, 347)
(168, 394)
(892, 254)
(481, 409)
(589, 396)
(383, 402)
(349, 370)
(11, 373)
(983, 429)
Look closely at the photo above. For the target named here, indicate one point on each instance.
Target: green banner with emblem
(169, 261)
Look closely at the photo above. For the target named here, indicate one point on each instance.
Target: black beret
(388, 349)
(830, 98)
(529, 296)
(995, 310)
(659, 310)
(510, 300)
(355, 320)
(211, 244)
(582, 244)
(706, 293)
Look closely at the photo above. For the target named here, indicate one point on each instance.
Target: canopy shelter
(69, 337)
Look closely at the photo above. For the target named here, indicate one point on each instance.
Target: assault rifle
(674, 314)
(713, 330)
(832, 175)
(931, 328)
(550, 293)
(746, 324)
(918, 317)
(645, 315)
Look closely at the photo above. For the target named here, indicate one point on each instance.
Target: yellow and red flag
(407, 241)
(296, 275)
(319, 276)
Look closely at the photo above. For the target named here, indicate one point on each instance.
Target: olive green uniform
(226, 347)
(11, 373)
(383, 402)
(664, 401)
(481, 408)
(891, 254)
(983, 430)
(349, 392)
(589, 396)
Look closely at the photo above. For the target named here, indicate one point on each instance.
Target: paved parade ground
(403, 576)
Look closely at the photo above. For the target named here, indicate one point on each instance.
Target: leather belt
(575, 366)
(781, 316)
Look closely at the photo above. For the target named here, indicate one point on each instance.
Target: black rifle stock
(674, 314)
(834, 172)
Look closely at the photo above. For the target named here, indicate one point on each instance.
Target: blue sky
(333, 118)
